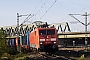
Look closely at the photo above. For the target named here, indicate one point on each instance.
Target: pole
(85, 21)
(85, 24)
(18, 21)
(18, 47)
(86, 30)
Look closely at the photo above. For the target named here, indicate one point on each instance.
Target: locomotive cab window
(42, 32)
(50, 32)
(47, 32)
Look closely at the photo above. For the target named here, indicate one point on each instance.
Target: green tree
(3, 46)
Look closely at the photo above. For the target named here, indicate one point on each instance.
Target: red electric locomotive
(44, 39)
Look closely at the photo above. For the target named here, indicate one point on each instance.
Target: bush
(13, 51)
(6, 56)
(82, 57)
(20, 55)
(23, 58)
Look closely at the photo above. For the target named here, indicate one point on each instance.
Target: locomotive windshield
(47, 32)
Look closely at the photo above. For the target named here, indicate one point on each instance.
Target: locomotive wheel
(34, 49)
(39, 50)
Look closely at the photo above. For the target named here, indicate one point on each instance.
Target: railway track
(55, 57)
(44, 56)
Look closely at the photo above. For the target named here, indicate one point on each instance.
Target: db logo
(47, 39)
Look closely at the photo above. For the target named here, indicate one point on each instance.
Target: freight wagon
(21, 43)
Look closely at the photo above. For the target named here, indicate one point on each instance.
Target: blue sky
(58, 13)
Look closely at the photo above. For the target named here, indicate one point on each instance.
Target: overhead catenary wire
(39, 9)
(29, 14)
(35, 7)
(48, 9)
(35, 13)
(27, 19)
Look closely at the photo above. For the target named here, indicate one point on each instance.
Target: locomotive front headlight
(42, 39)
(53, 39)
(41, 43)
(54, 42)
